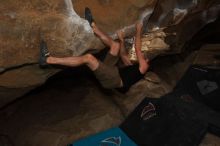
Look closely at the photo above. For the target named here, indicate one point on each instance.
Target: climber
(106, 72)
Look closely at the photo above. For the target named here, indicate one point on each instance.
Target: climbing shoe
(88, 16)
(44, 53)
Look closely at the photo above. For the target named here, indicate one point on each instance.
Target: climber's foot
(44, 54)
(88, 16)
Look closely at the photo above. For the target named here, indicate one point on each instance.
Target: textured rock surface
(68, 34)
(21, 24)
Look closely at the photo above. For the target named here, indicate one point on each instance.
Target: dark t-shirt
(129, 75)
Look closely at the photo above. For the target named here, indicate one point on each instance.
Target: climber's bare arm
(108, 41)
(143, 63)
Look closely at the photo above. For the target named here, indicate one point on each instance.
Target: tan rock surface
(68, 34)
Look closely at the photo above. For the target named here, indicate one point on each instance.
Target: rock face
(61, 24)
(67, 34)
(21, 24)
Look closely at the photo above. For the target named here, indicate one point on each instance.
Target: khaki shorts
(107, 73)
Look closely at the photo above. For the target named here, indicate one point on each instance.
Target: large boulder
(23, 22)
(61, 24)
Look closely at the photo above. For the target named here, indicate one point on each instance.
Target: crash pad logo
(148, 111)
(206, 87)
(111, 141)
